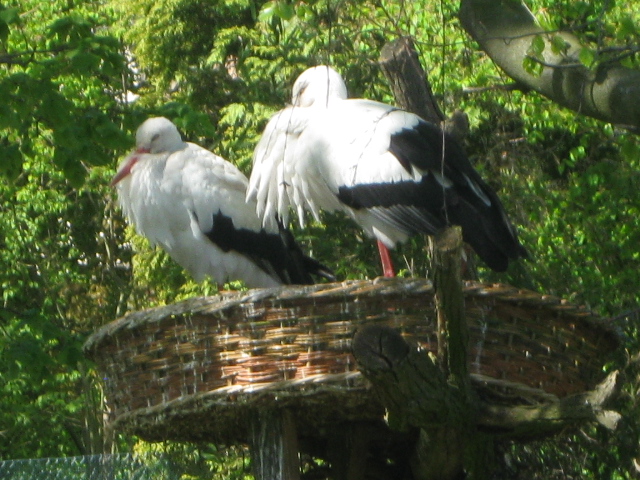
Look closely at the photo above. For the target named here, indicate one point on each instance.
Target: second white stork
(191, 202)
(393, 172)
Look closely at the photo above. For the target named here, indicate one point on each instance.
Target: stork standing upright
(191, 202)
(393, 172)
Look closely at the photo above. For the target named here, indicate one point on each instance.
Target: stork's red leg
(385, 258)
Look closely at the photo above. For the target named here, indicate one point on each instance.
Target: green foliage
(53, 75)
(603, 43)
(200, 461)
(38, 361)
(219, 69)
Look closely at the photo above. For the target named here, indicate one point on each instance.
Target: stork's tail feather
(299, 267)
(317, 269)
(490, 233)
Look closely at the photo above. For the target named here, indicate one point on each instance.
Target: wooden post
(400, 65)
(442, 450)
(274, 445)
(411, 89)
(453, 333)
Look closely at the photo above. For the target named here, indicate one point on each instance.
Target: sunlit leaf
(285, 11)
(627, 27)
(587, 57)
(537, 45)
(558, 44)
(268, 11)
(532, 66)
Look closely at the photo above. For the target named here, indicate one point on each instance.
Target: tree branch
(15, 58)
(504, 29)
(416, 394)
(527, 422)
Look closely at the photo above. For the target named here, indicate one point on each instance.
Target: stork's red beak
(127, 166)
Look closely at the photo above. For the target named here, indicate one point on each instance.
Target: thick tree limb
(531, 422)
(416, 394)
(505, 29)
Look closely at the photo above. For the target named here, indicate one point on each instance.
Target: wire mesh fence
(93, 467)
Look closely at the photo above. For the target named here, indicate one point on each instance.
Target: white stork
(394, 173)
(191, 202)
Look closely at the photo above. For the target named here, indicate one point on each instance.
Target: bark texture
(504, 29)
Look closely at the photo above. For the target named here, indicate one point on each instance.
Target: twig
(507, 87)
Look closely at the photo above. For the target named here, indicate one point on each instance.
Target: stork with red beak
(393, 172)
(191, 202)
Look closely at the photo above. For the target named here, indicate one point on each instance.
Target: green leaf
(559, 44)
(10, 161)
(531, 66)
(267, 12)
(630, 150)
(7, 17)
(537, 46)
(75, 173)
(281, 10)
(72, 27)
(54, 109)
(303, 11)
(627, 27)
(4, 32)
(587, 57)
(61, 157)
(285, 11)
(84, 62)
(108, 134)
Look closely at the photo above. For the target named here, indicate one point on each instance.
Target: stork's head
(320, 85)
(156, 135)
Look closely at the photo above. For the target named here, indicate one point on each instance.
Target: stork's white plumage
(191, 202)
(394, 173)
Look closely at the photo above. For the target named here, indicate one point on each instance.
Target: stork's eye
(155, 137)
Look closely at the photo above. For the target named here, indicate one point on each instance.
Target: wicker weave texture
(285, 335)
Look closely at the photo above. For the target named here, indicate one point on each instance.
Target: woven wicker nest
(196, 369)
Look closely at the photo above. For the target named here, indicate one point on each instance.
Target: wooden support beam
(453, 333)
(416, 395)
(273, 443)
